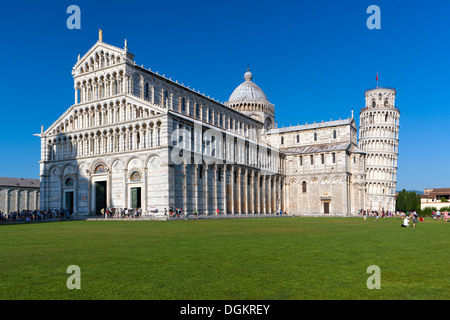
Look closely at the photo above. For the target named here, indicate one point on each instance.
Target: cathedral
(136, 139)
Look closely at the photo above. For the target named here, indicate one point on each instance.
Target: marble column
(205, 189)
(184, 188)
(252, 192)
(264, 189)
(224, 185)
(195, 186)
(232, 182)
(75, 193)
(215, 180)
(7, 208)
(258, 192)
(239, 180)
(246, 197)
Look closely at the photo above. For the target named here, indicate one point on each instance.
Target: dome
(247, 91)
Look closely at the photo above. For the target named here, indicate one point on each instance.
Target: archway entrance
(326, 200)
(100, 196)
(69, 201)
(136, 198)
(326, 207)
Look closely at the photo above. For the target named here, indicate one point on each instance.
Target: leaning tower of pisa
(378, 138)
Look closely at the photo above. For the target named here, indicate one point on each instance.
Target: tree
(407, 201)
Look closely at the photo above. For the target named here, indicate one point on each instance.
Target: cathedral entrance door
(326, 207)
(69, 201)
(135, 198)
(100, 196)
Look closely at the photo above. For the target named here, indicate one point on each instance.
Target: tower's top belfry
(380, 98)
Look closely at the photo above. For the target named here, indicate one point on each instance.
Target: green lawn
(276, 259)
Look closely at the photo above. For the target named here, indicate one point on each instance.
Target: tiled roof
(436, 193)
(316, 148)
(322, 148)
(312, 126)
(19, 182)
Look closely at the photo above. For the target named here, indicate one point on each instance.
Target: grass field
(243, 259)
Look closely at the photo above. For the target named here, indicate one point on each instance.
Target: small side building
(18, 194)
(437, 198)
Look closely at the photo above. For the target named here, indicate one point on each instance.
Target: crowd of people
(178, 213)
(405, 216)
(34, 215)
(379, 214)
(437, 215)
(121, 213)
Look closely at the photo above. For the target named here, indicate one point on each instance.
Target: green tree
(407, 201)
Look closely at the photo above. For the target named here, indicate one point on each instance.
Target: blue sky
(313, 59)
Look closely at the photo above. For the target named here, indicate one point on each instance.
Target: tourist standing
(415, 216)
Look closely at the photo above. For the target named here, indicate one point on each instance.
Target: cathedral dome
(247, 91)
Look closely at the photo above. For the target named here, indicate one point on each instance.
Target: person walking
(415, 216)
(196, 214)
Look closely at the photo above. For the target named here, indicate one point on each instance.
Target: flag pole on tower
(377, 80)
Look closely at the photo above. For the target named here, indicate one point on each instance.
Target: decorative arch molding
(69, 169)
(116, 165)
(325, 180)
(154, 162)
(256, 117)
(133, 162)
(52, 168)
(337, 179)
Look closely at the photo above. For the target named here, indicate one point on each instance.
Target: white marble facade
(134, 138)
